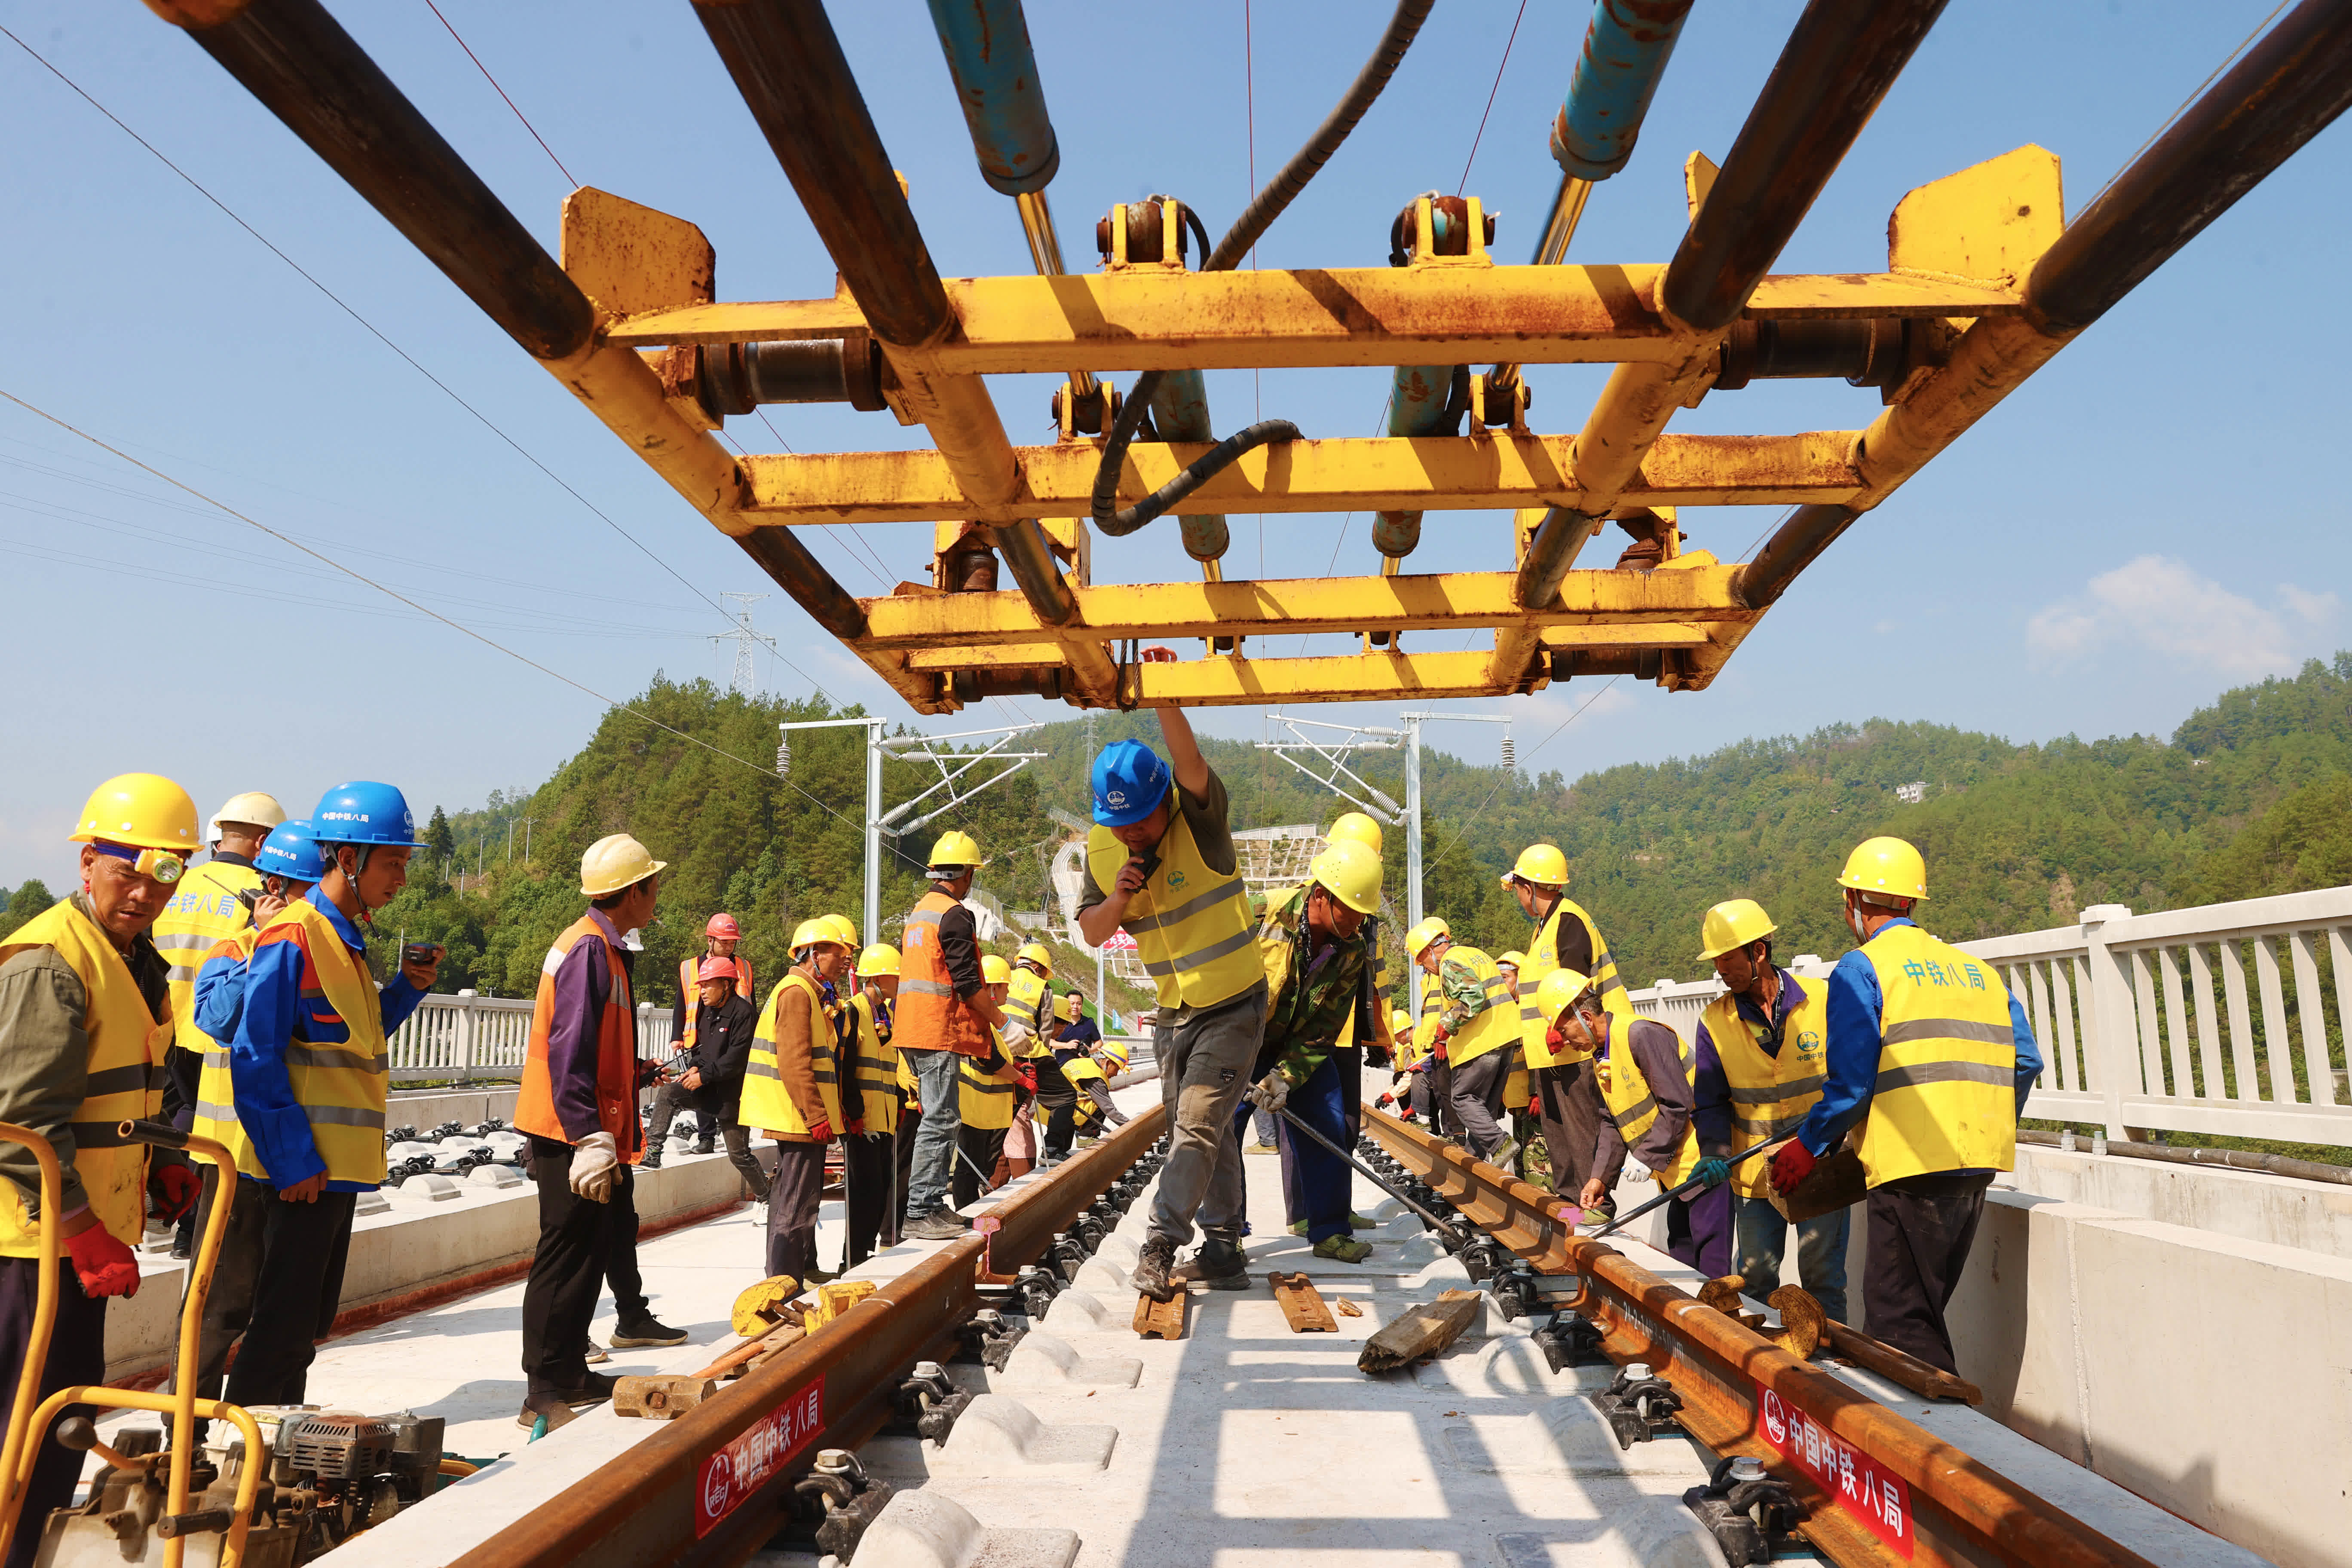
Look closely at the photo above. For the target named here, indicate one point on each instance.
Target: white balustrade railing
(2149, 1021)
(460, 1040)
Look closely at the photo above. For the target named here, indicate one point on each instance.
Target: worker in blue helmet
(306, 1080)
(289, 865)
(1161, 866)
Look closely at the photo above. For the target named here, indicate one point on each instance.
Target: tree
(25, 903)
(439, 839)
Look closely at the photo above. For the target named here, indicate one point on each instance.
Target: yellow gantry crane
(1983, 281)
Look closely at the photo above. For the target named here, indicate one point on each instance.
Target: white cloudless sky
(2147, 522)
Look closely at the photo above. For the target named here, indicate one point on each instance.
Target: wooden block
(1424, 1331)
(1302, 1304)
(660, 1398)
(1347, 1309)
(1159, 1320)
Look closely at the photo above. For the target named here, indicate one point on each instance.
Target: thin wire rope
(1490, 97)
(2243, 45)
(374, 331)
(519, 114)
(390, 593)
(1472, 819)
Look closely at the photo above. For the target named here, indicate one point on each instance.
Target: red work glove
(1385, 1101)
(1791, 1165)
(822, 1131)
(1535, 1106)
(1551, 1038)
(173, 1193)
(855, 1129)
(104, 1264)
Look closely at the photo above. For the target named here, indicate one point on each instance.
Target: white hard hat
(253, 806)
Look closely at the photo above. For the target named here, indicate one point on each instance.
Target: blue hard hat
(290, 851)
(365, 812)
(1130, 781)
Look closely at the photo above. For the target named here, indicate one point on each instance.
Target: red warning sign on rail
(729, 1476)
(1862, 1487)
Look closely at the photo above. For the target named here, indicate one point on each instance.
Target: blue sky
(2083, 561)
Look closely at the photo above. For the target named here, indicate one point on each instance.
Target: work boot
(547, 1407)
(940, 1225)
(1156, 1255)
(1342, 1249)
(558, 1404)
(1361, 1221)
(597, 1354)
(1299, 1228)
(705, 1146)
(652, 1162)
(1221, 1265)
(648, 1330)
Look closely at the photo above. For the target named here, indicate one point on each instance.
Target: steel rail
(641, 1507)
(1960, 1511)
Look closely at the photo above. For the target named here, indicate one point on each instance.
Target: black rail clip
(1638, 1404)
(1750, 1515)
(850, 1498)
(1569, 1341)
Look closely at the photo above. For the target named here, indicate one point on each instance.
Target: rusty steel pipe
(1551, 553)
(1794, 546)
(1839, 60)
(1961, 1508)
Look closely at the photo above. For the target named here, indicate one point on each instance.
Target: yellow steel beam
(1350, 677)
(1145, 319)
(1173, 611)
(1337, 474)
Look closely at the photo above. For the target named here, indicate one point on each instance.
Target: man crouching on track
(1160, 866)
(1317, 952)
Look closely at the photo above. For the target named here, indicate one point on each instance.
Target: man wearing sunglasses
(84, 1017)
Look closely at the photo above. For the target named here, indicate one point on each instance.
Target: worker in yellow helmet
(1161, 866)
(1931, 1058)
(1436, 1086)
(991, 1090)
(1031, 1026)
(945, 1016)
(1479, 1021)
(871, 1100)
(1567, 1098)
(792, 1089)
(1377, 1047)
(1768, 1031)
(84, 1017)
(1074, 1050)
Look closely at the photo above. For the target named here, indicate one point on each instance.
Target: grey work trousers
(935, 1140)
(1205, 1056)
(1478, 1097)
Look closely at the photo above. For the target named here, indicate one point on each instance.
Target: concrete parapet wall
(2315, 1216)
(405, 1256)
(431, 1107)
(2209, 1374)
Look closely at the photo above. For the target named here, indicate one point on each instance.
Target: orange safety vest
(690, 987)
(616, 1053)
(931, 1016)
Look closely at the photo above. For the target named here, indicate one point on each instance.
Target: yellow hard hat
(844, 930)
(1515, 958)
(1735, 923)
(1421, 936)
(1400, 1022)
(956, 847)
(1888, 866)
(880, 959)
(253, 808)
(139, 811)
(993, 969)
(1038, 954)
(1557, 991)
(1539, 863)
(1351, 873)
(817, 931)
(1355, 824)
(614, 862)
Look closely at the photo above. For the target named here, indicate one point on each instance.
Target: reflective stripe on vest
(1027, 999)
(987, 1100)
(203, 910)
(616, 1051)
(690, 988)
(765, 1102)
(341, 1085)
(1192, 925)
(1945, 1099)
(1633, 1107)
(931, 1016)
(877, 1070)
(1543, 957)
(1498, 1026)
(126, 1048)
(1771, 1095)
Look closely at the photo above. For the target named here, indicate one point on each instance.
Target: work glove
(1711, 1172)
(1385, 1101)
(171, 1191)
(595, 1166)
(1271, 1092)
(855, 1128)
(104, 1265)
(1792, 1165)
(822, 1131)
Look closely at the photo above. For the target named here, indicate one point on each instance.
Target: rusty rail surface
(1928, 1501)
(713, 1486)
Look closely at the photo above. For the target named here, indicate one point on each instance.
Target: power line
(1539, 745)
(519, 114)
(1490, 97)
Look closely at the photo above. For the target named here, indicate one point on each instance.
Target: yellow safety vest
(1633, 1107)
(1945, 1097)
(876, 1074)
(341, 1086)
(1192, 925)
(1081, 1070)
(985, 1100)
(1029, 998)
(765, 1104)
(1497, 1026)
(202, 912)
(126, 1044)
(1543, 957)
(1770, 1094)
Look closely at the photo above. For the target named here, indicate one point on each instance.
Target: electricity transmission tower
(745, 680)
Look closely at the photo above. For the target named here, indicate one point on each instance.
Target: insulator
(783, 756)
(1510, 756)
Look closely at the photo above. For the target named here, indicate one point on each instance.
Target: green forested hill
(2248, 796)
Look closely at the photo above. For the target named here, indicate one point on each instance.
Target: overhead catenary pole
(1412, 723)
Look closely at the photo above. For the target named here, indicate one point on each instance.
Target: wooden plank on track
(1424, 1331)
(1159, 1320)
(1302, 1304)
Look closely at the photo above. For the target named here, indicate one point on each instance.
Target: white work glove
(595, 1166)
(1271, 1092)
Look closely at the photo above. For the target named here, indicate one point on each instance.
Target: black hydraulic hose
(1264, 208)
